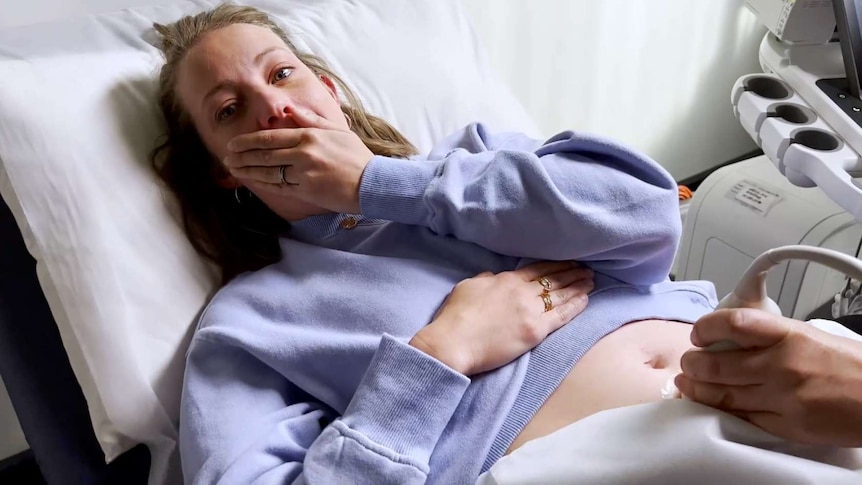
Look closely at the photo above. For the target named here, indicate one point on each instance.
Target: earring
(239, 198)
(252, 215)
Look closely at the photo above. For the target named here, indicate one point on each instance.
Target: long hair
(238, 234)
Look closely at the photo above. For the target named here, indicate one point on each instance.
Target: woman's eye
(226, 112)
(282, 74)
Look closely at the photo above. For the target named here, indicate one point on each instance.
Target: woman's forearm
(573, 198)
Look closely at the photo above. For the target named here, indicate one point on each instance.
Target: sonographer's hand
(790, 378)
(490, 320)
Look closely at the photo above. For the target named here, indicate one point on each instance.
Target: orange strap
(685, 193)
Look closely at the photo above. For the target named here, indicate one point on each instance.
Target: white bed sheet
(672, 442)
(675, 442)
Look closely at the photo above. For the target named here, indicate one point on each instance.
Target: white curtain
(655, 74)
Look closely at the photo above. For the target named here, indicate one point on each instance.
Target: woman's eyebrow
(260, 56)
(218, 87)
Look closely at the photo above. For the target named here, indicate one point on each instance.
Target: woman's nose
(272, 116)
(273, 112)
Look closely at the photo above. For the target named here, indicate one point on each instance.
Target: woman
(336, 356)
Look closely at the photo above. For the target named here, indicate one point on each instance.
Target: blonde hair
(237, 235)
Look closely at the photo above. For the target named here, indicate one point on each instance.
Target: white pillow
(78, 120)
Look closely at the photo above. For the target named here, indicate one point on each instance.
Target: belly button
(656, 362)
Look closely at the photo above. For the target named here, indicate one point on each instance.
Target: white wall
(655, 74)
(11, 438)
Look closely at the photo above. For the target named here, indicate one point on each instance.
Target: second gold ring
(546, 298)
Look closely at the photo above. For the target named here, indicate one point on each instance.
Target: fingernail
(226, 161)
(695, 338)
(681, 384)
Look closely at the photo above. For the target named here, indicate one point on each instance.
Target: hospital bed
(95, 311)
(47, 398)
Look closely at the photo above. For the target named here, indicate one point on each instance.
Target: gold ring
(549, 305)
(546, 284)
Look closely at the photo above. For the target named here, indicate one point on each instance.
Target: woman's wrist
(425, 343)
(393, 189)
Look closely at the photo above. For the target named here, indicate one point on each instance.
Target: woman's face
(243, 78)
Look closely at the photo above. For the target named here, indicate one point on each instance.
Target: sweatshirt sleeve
(243, 422)
(573, 197)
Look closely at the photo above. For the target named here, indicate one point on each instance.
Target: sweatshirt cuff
(405, 400)
(393, 189)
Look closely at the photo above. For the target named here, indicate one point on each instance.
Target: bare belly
(628, 366)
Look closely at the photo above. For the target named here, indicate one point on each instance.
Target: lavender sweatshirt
(300, 373)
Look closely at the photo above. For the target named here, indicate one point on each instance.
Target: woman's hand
(323, 163)
(490, 320)
(790, 378)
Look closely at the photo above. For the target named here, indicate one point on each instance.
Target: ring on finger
(281, 174)
(546, 284)
(546, 298)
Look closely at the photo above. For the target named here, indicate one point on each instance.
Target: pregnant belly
(628, 366)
